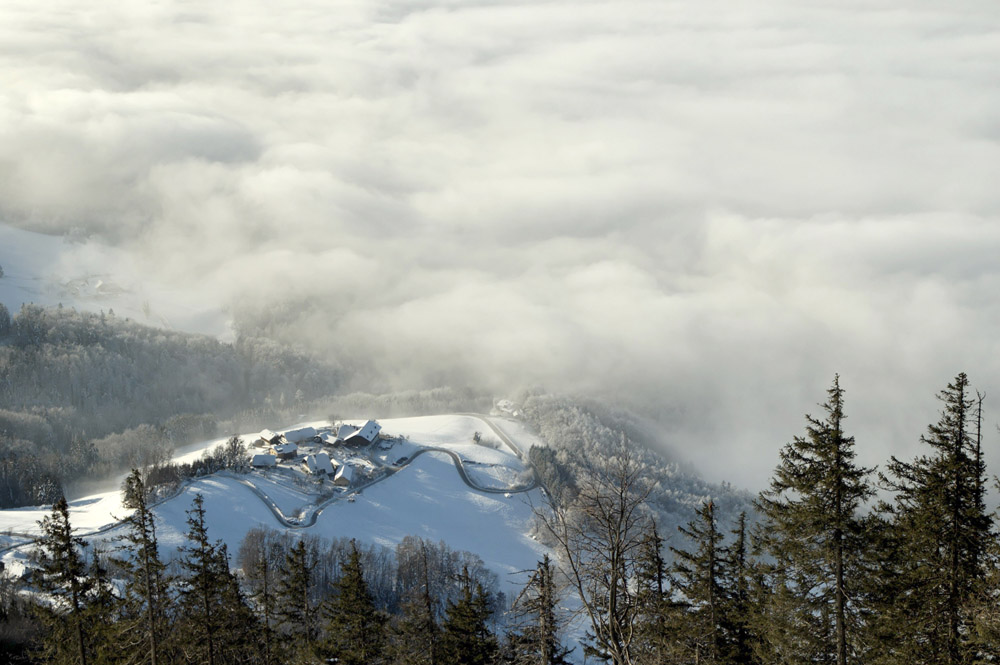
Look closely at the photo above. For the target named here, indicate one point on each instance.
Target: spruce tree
(414, 635)
(201, 604)
(104, 612)
(466, 638)
(295, 609)
(812, 532)
(237, 620)
(658, 612)
(942, 529)
(145, 608)
(698, 577)
(356, 629)
(265, 604)
(64, 576)
(737, 607)
(536, 642)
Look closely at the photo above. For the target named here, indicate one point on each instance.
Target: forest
(842, 564)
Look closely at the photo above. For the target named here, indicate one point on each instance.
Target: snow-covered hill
(92, 276)
(425, 496)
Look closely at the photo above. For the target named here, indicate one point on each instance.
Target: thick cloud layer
(703, 208)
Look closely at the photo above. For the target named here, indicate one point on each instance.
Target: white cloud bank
(704, 206)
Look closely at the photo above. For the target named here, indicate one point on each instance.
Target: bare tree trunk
(599, 538)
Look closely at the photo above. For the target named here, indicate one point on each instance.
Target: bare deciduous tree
(598, 538)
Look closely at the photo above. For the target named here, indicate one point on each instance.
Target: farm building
(344, 475)
(300, 435)
(345, 431)
(319, 464)
(285, 450)
(364, 436)
(263, 461)
(266, 438)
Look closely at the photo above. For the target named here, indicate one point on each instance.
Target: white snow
(496, 476)
(427, 498)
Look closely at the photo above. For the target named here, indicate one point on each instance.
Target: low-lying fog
(701, 209)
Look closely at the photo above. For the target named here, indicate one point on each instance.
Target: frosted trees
(599, 538)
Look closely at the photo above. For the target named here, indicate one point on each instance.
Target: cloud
(703, 209)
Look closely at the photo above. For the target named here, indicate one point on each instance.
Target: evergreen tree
(813, 534)
(737, 607)
(201, 605)
(264, 601)
(658, 613)
(698, 577)
(5, 324)
(295, 608)
(942, 529)
(984, 609)
(466, 638)
(414, 636)
(144, 618)
(64, 575)
(537, 641)
(356, 629)
(104, 612)
(238, 624)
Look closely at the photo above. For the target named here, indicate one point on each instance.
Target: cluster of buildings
(285, 446)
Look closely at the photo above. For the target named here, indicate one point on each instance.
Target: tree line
(841, 564)
(845, 564)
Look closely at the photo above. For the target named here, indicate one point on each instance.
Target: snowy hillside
(91, 276)
(421, 480)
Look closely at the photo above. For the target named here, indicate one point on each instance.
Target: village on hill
(328, 453)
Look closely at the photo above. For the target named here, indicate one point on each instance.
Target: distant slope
(86, 274)
(575, 436)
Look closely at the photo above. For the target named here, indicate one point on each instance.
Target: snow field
(427, 498)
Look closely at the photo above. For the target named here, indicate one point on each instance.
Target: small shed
(344, 476)
(285, 450)
(364, 436)
(263, 461)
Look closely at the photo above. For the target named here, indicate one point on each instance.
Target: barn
(364, 436)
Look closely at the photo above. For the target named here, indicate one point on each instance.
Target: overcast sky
(702, 208)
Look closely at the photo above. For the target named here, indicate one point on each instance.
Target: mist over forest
(698, 211)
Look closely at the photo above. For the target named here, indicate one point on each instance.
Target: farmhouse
(263, 461)
(364, 436)
(285, 450)
(266, 438)
(319, 464)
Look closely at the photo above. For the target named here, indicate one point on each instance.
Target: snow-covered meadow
(426, 496)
